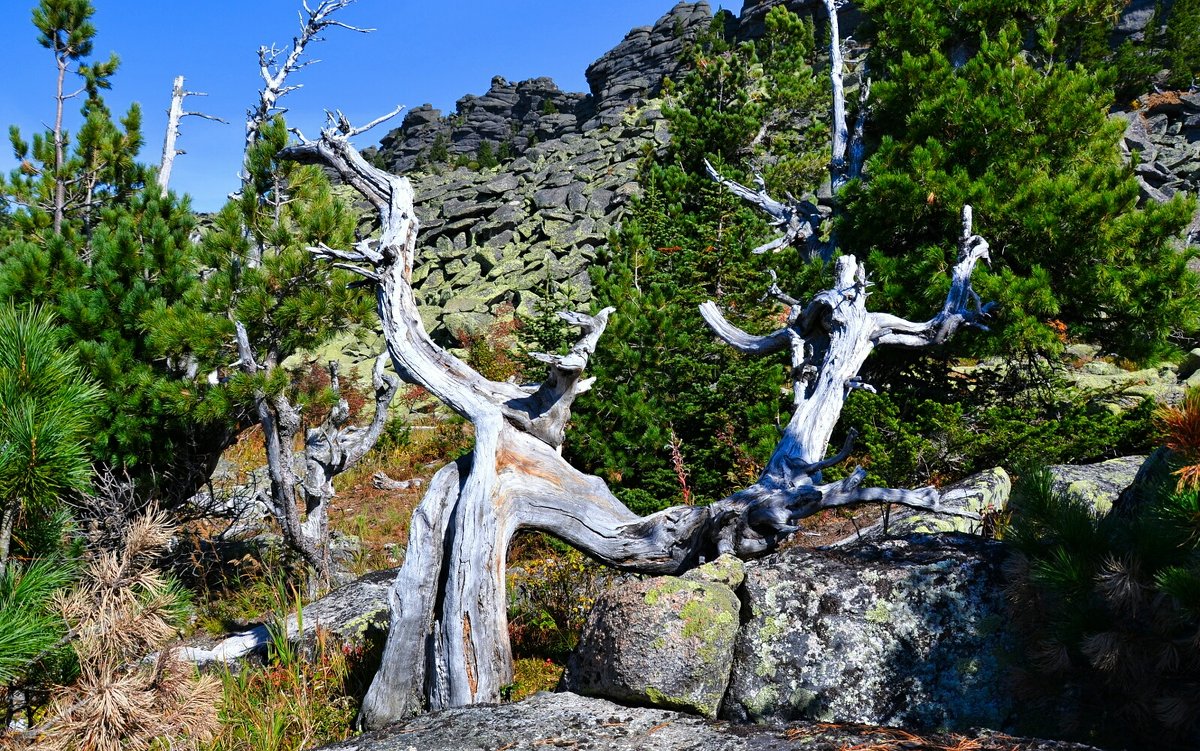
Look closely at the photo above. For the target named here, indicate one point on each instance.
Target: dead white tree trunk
(801, 220)
(449, 643)
(329, 449)
(175, 114)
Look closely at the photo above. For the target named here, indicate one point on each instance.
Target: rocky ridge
(506, 234)
(498, 236)
(527, 113)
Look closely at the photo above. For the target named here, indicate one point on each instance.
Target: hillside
(569, 165)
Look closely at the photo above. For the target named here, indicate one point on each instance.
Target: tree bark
(448, 643)
(329, 450)
(175, 115)
(60, 183)
(8, 518)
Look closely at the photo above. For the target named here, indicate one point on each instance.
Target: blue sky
(420, 52)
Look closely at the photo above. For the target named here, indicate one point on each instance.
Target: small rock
(1095, 485)
(1190, 364)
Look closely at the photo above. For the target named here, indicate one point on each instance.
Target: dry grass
(122, 610)
(379, 517)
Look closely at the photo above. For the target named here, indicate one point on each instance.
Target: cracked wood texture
(448, 644)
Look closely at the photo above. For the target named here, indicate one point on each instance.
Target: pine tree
(486, 156)
(666, 388)
(66, 30)
(439, 151)
(46, 410)
(1023, 136)
(1181, 44)
(261, 280)
(1108, 607)
(120, 249)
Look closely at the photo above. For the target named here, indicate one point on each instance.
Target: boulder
(1151, 476)
(1096, 485)
(665, 641)
(568, 721)
(907, 633)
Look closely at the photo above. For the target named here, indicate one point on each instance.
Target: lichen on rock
(665, 641)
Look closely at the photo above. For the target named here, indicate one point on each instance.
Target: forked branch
(829, 341)
(275, 65)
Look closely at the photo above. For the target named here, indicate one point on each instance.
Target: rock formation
(569, 721)
(1162, 140)
(665, 641)
(905, 632)
(535, 111)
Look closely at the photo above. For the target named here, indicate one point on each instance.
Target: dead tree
(801, 219)
(329, 449)
(275, 64)
(448, 643)
(174, 116)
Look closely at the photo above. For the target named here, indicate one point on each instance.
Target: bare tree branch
(274, 72)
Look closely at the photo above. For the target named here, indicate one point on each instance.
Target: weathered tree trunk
(175, 114)
(448, 643)
(8, 518)
(329, 449)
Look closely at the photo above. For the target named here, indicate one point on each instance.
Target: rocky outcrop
(903, 632)
(665, 641)
(517, 114)
(529, 112)
(499, 236)
(633, 71)
(907, 633)
(569, 721)
(751, 22)
(1162, 140)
